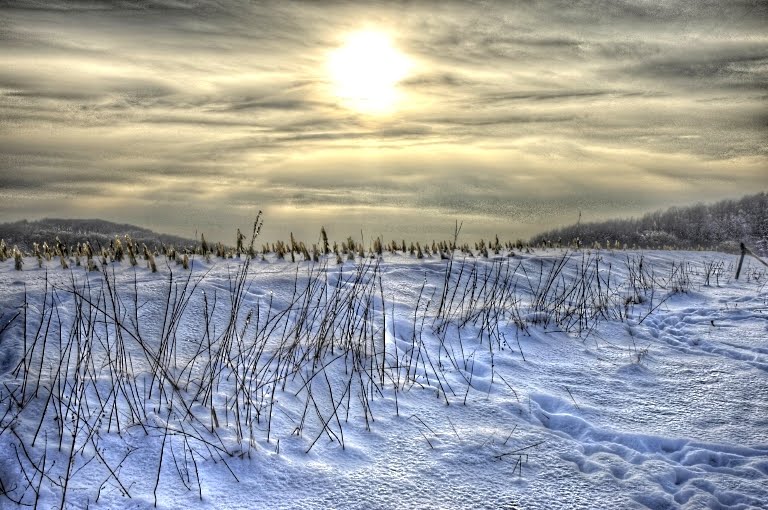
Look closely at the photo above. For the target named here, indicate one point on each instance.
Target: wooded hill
(70, 232)
(718, 226)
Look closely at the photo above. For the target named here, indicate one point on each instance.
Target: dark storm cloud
(527, 110)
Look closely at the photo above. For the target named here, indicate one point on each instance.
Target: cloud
(526, 111)
(743, 71)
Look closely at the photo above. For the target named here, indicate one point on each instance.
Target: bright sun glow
(366, 70)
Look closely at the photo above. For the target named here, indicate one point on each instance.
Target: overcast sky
(513, 116)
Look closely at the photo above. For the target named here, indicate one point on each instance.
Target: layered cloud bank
(186, 116)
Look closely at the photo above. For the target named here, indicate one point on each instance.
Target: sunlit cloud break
(192, 116)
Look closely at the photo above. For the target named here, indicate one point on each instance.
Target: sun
(365, 72)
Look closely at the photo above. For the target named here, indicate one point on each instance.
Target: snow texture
(372, 384)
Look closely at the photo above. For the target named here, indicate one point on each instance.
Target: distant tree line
(71, 232)
(720, 226)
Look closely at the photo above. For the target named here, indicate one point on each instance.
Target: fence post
(741, 259)
(747, 251)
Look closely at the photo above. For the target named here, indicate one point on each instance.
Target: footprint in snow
(683, 471)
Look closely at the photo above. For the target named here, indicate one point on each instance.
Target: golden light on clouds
(512, 116)
(365, 72)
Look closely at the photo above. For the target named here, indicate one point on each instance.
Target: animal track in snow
(684, 471)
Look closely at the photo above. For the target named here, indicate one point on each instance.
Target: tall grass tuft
(18, 260)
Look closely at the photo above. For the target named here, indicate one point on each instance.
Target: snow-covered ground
(544, 380)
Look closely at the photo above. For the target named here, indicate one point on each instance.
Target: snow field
(550, 380)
